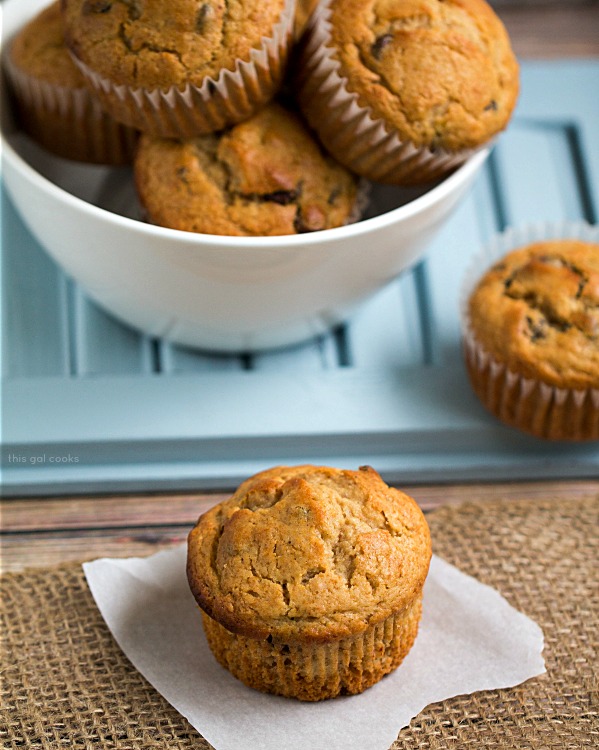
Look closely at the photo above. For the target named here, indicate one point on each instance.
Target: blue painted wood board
(89, 405)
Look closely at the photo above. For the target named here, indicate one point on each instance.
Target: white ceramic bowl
(209, 291)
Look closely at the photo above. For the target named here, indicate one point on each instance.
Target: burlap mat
(67, 684)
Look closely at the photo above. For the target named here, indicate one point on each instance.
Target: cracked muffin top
(309, 553)
(158, 44)
(537, 311)
(441, 72)
(39, 51)
(264, 176)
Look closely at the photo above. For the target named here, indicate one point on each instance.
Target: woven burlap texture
(66, 684)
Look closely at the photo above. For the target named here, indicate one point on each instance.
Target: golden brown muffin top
(309, 553)
(264, 176)
(441, 72)
(537, 311)
(39, 50)
(159, 44)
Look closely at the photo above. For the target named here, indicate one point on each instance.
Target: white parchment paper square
(470, 639)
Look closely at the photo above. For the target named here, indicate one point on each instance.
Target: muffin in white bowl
(215, 292)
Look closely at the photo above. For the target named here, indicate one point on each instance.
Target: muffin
(181, 68)
(264, 176)
(532, 339)
(403, 92)
(310, 580)
(54, 106)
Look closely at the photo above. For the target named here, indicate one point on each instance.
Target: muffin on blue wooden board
(531, 330)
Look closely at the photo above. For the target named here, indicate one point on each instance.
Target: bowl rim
(357, 229)
(435, 194)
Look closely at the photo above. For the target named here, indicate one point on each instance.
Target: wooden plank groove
(448, 258)
(179, 359)
(550, 189)
(385, 333)
(33, 300)
(104, 345)
(312, 356)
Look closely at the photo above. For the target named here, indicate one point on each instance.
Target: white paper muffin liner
(361, 203)
(543, 410)
(355, 136)
(69, 122)
(313, 671)
(233, 96)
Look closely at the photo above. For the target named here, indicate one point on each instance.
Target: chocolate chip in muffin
(536, 329)
(96, 6)
(134, 8)
(203, 17)
(380, 43)
(182, 174)
(298, 224)
(282, 197)
(333, 195)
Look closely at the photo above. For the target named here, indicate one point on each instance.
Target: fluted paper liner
(68, 121)
(316, 670)
(233, 96)
(361, 203)
(355, 136)
(543, 410)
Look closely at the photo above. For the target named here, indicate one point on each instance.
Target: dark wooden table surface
(48, 531)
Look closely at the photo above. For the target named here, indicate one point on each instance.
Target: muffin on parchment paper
(180, 68)
(54, 105)
(403, 92)
(531, 331)
(264, 176)
(310, 580)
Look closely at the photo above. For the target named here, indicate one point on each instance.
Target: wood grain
(42, 532)
(547, 31)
